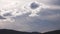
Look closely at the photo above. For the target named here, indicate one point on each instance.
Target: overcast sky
(48, 19)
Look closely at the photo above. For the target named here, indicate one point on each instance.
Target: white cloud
(12, 8)
(19, 8)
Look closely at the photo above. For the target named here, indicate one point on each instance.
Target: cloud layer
(47, 20)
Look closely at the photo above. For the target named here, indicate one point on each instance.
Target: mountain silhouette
(9, 31)
(53, 32)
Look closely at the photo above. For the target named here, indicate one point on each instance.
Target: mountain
(53, 32)
(8, 31)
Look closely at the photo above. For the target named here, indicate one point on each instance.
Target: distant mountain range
(8, 31)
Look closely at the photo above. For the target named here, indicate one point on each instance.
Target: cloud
(2, 17)
(47, 20)
(15, 11)
(50, 2)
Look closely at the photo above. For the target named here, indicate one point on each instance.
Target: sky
(19, 16)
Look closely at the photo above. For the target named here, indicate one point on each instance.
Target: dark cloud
(7, 14)
(34, 5)
(51, 2)
(2, 17)
(57, 2)
(54, 2)
(47, 12)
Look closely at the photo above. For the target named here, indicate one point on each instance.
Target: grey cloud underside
(47, 20)
(51, 2)
(7, 14)
(2, 17)
(34, 5)
(47, 12)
